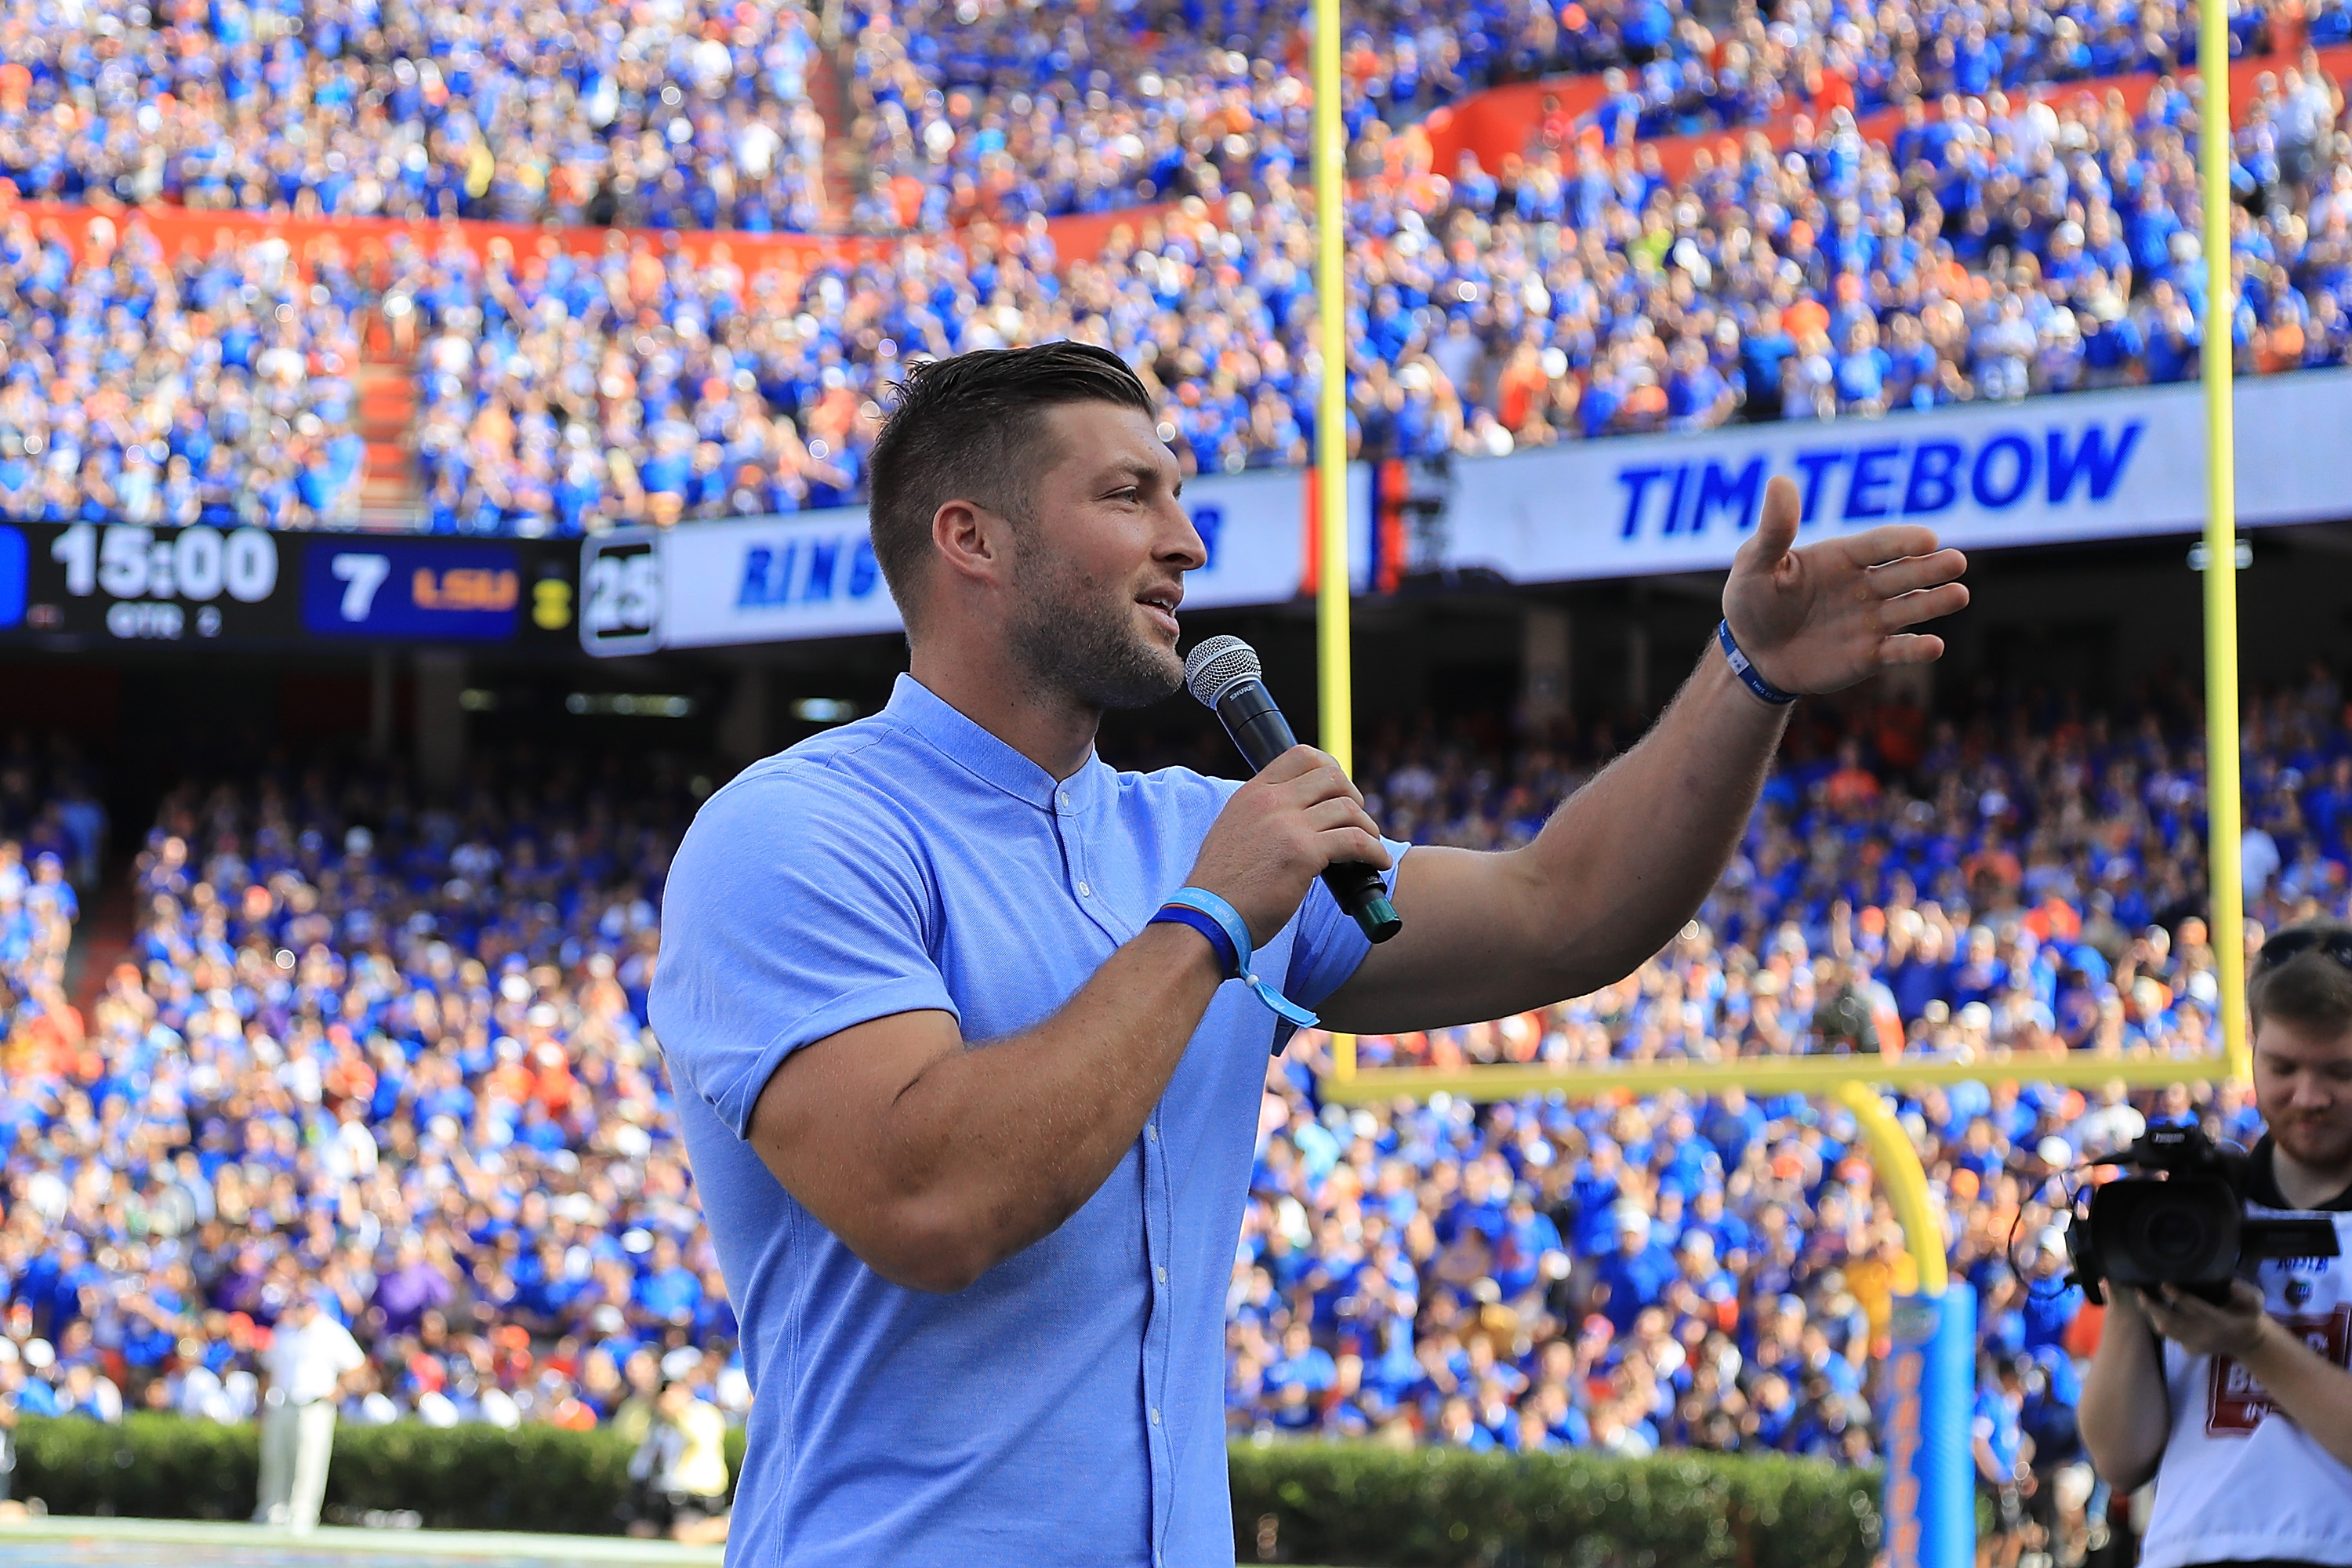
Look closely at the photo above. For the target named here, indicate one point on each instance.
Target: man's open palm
(1820, 618)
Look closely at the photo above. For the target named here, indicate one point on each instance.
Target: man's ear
(974, 545)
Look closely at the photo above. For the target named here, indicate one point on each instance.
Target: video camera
(2187, 1226)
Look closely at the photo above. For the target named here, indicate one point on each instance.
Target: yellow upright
(1333, 647)
(2223, 809)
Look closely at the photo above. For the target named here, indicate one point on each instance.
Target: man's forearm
(1631, 855)
(2125, 1413)
(2312, 1391)
(1605, 885)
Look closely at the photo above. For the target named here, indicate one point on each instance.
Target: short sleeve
(1329, 944)
(796, 908)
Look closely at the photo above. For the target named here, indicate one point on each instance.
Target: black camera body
(2183, 1222)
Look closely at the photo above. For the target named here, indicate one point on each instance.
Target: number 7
(360, 576)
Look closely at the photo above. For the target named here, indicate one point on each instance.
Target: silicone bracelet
(1742, 666)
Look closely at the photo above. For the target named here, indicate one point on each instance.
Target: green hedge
(1306, 1502)
(1436, 1508)
(460, 1478)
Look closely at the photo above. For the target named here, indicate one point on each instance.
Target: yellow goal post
(1854, 1080)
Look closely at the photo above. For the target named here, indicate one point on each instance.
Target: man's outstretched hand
(1820, 618)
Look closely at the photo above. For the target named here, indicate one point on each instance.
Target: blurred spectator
(308, 1369)
(677, 1476)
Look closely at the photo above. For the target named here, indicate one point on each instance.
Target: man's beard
(1075, 638)
(2319, 1144)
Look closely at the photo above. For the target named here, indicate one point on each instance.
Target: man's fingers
(1327, 781)
(1339, 811)
(1925, 605)
(1297, 761)
(1776, 525)
(1894, 542)
(1348, 845)
(1910, 647)
(1343, 832)
(1913, 573)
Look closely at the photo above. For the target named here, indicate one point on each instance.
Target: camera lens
(2176, 1235)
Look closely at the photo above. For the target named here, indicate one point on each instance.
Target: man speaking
(969, 1101)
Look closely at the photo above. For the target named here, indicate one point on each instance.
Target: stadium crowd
(2010, 248)
(390, 1056)
(398, 1071)
(1717, 1273)
(139, 388)
(701, 116)
(1003, 110)
(696, 115)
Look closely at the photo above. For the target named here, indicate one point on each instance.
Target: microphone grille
(1215, 666)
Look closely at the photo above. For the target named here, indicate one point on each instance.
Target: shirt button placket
(1156, 1335)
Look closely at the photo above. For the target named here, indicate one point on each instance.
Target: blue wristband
(1188, 906)
(1747, 671)
(1228, 960)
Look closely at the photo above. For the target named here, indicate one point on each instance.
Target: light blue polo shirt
(1069, 1406)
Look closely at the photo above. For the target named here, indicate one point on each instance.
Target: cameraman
(2243, 1412)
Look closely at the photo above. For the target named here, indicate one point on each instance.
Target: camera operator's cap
(2054, 1152)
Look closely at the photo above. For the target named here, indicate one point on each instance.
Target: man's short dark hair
(970, 428)
(2311, 987)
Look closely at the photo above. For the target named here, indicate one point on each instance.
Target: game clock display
(126, 583)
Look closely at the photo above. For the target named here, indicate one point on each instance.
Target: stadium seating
(1998, 251)
(406, 1071)
(988, 109)
(706, 117)
(697, 115)
(406, 1064)
(213, 386)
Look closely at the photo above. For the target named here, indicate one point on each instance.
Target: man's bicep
(822, 1123)
(782, 928)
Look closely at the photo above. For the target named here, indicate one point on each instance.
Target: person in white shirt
(678, 1474)
(2258, 860)
(308, 1365)
(2242, 1413)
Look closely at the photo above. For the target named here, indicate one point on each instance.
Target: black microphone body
(1250, 717)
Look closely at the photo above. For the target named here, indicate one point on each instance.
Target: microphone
(1224, 675)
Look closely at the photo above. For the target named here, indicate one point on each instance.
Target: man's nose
(1181, 542)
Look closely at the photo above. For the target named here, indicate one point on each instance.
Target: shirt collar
(918, 708)
(2264, 1188)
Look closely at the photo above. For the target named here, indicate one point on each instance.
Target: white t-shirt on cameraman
(2241, 1482)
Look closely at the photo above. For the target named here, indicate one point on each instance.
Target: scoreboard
(126, 583)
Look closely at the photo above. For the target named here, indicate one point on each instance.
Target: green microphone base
(1379, 918)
